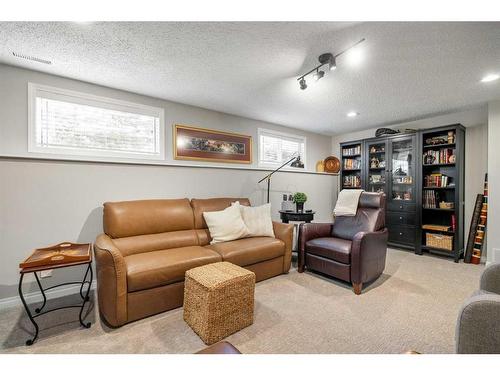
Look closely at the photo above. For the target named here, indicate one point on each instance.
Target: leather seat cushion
(162, 267)
(333, 248)
(247, 251)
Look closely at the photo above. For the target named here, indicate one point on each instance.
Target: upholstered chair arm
(368, 254)
(284, 232)
(490, 279)
(478, 326)
(310, 231)
(111, 281)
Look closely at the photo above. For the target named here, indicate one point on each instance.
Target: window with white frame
(275, 148)
(84, 126)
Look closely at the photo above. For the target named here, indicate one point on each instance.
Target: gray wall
(476, 149)
(43, 202)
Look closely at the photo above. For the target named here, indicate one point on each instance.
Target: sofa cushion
(213, 204)
(257, 219)
(247, 251)
(162, 267)
(134, 218)
(226, 225)
(157, 241)
(330, 247)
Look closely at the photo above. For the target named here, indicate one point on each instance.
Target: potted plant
(299, 199)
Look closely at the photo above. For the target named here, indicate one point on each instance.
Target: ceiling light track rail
(325, 59)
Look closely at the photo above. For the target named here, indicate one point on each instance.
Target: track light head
(332, 65)
(318, 75)
(303, 84)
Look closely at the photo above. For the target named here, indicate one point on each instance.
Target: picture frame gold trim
(212, 131)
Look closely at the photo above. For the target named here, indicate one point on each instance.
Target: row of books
(436, 180)
(352, 164)
(443, 156)
(430, 199)
(352, 181)
(356, 150)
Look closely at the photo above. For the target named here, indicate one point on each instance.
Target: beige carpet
(413, 305)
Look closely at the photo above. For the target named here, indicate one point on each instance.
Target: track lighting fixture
(324, 59)
(303, 84)
(318, 75)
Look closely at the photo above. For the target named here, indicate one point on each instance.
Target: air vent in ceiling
(31, 58)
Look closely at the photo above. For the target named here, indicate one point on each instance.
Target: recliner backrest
(370, 217)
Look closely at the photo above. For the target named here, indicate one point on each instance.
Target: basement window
(87, 127)
(275, 148)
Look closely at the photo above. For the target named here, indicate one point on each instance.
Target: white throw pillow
(226, 225)
(257, 219)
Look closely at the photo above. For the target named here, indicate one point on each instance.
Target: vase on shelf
(299, 206)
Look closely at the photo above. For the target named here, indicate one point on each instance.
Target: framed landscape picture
(191, 143)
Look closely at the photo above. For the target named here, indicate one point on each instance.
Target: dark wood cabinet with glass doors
(390, 168)
(422, 175)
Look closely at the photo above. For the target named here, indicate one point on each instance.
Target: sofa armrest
(284, 232)
(490, 279)
(368, 253)
(478, 326)
(310, 231)
(111, 281)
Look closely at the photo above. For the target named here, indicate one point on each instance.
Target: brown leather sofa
(148, 245)
(353, 248)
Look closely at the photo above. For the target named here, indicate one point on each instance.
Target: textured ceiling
(408, 70)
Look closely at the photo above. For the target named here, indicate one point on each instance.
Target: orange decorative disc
(332, 164)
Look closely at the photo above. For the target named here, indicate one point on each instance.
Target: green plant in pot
(299, 199)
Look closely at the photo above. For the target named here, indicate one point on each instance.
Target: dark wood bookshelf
(351, 156)
(442, 145)
(439, 165)
(379, 160)
(439, 209)
(444, 172)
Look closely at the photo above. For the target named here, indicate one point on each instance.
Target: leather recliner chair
(353, 248)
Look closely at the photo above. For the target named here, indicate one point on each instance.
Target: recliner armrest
(111, 281)
(310, 231)
(368, 253)
(478, 326)
(490, 278)
(284, 232)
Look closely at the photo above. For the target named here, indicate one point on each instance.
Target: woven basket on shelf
(439, 241)
(218, 300)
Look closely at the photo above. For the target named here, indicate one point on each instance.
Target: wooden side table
(287, 216)
(63, 255)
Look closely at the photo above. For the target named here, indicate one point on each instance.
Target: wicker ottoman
(218, 300)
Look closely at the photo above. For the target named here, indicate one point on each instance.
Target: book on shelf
(351, 181)
(436, 180)
(352, 163)
(430, 199)
(444, 228)
(350, 151)
(443, 156)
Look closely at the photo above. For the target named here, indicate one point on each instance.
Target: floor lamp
(295, 160)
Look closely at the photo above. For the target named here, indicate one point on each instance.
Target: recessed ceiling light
(352, 114)
(490, 78)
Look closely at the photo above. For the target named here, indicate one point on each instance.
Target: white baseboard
(36, 296)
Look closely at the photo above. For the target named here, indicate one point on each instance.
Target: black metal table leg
(83, 283)
(30, 341)
(86, 325)
(38, 309)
